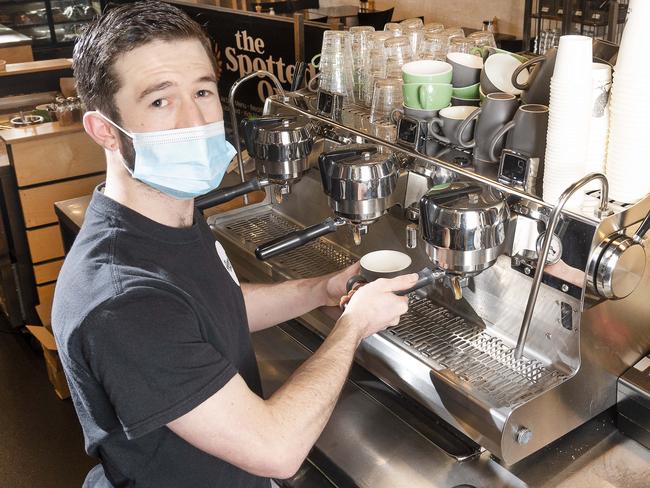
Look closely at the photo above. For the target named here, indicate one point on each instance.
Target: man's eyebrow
(208, 78)
(154, 88)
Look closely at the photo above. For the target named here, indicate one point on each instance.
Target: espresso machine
(540, 314)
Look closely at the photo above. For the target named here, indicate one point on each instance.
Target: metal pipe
(233, 115)
(548, 237)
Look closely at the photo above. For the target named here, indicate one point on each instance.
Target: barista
(152, 325)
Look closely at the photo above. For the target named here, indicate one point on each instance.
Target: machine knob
(523, 435)
(620, 263)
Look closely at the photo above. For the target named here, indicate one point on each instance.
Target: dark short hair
(118, 30)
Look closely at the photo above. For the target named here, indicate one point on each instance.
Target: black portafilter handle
(223, 195)
(295, 239)
(425, 277)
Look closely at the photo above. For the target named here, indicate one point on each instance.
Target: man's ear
(101, 131)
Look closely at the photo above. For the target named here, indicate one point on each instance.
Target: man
(153, 329)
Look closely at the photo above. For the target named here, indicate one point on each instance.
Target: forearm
(303, 405)
(268, 305)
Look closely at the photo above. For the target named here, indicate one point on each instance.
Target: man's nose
(190, 114)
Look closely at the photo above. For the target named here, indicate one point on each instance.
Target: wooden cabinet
(50, 163)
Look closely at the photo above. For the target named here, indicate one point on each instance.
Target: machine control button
(523, 435)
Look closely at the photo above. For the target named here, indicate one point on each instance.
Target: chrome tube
(233, 115)
(548, 236)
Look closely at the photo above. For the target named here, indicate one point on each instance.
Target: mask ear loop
(126, 133)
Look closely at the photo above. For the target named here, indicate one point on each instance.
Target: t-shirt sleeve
(147, 350)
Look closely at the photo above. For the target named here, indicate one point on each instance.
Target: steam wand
(548, 236)
(233, 115)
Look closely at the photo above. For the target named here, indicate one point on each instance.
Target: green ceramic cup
(471, 91)
(427, 71)
(427, 96)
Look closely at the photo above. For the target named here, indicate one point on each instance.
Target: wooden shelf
(36, 67)
(48, 129)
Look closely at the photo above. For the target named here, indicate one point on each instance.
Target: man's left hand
(335, 284)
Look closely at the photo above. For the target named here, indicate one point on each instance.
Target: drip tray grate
(428, 331)
(314, 259)
(486, 363)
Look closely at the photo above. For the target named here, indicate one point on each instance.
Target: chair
(376, 19)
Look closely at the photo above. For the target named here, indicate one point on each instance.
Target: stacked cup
(599, 125)
(398, 52)
(375, 68)
(427, 84)
(336, 65)
(414, 30)
(361, 45)
(627, 171)
(569, 116)
(467, 67)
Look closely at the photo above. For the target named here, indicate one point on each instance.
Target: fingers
(397, 284)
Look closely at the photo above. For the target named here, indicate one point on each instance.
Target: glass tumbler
(386, 97)
(398, 53)
(433, 46)
(433, 27)
(461, 45)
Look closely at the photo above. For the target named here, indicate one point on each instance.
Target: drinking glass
(361, 49)
(336, 63)
(386, 97)
(461, 45)
(394, 28)
(483, 39)
(410, 24)
(398, 52)
(433, 46)
(454, 32)
(433, 27)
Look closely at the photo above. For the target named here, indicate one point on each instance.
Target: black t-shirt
(150, 322)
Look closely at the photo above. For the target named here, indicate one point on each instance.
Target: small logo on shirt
(226, 262)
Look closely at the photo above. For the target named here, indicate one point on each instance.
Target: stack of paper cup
(627, 171)
(570, 111)
(599, 125)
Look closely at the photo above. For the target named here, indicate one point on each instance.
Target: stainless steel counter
(374, 440)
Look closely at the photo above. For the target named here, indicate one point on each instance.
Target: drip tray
(429, 332)
(444, 340)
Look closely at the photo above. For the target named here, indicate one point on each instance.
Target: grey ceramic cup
(449, 120)
(385, 263)
(466, 69)
(475, 102)
(497, 110)
(537, 90)
(526, 132)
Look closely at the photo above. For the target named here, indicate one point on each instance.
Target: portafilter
(280, 147)
(463, 225)
(358, 181)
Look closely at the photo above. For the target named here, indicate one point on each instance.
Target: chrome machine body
(457, 358)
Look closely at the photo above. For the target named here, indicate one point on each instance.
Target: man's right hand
(374, 306)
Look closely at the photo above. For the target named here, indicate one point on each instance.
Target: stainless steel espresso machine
(541, 308)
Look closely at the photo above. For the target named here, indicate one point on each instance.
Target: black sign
(245, 42)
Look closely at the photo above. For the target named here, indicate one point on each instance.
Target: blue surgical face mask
(182, 163)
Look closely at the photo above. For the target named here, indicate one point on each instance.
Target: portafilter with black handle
(358, 181)
(280, 146)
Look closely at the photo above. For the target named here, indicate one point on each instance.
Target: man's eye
(159, 103)
(203, 93)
